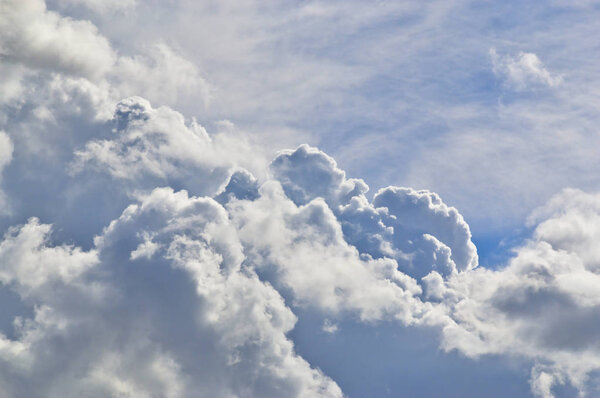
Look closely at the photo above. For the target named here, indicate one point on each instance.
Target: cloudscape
(243, 198)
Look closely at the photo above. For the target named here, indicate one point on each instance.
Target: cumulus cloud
(414, 227)
(160, 144)
(237, 265)
(305, 249)
(209, 253)
(48, 47)
(237, 260)
(543, 305)
(523, 71)
(44, 39)
(148, 141)
(187, 319)
(30, 264)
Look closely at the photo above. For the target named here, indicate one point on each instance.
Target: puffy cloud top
(413, 212)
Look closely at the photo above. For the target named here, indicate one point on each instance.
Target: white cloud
(226, 330)
(524, 71)
(423, 212)
(54, 50)
(160, 144)
(29, 264)
(44, 39)
(174, 78)
(11, 87)
(306, 249)
(148, 141)
(146, 249)
(302, 249)
(183, 296)
(542, 381)
(312, 234)
(540, 307)
(543, 305)
(414, 227)
(329, 327)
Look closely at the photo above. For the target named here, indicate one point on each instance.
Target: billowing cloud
(153, 146)
(405, 255)
(44, 39)
(414, 227)
(147, 255)
(543, 305)
(55, 50)
(229, 271)
(305, 250)
(187, 319)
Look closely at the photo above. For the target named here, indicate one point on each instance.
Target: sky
(244, 198)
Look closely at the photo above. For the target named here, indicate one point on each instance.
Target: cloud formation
(524, 71)
(186, 319)
(147, 255)
(40, 38)
(412, 260)
(542, 305)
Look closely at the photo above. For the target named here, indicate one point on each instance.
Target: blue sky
(245, 198)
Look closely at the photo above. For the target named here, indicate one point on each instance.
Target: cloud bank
(148, 256)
